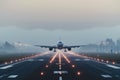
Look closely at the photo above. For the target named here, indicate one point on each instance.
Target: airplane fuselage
(60, 45)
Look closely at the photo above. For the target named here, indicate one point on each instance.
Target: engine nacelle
(69, 49)
(50, 49)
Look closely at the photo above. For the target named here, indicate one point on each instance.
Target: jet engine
(50, 49)
(69, 49)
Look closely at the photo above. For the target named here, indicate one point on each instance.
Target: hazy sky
(43, 21)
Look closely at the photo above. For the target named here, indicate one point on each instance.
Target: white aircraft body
(59, 46)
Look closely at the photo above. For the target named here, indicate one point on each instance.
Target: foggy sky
(48, 37)
(44, 21)
(59, 14)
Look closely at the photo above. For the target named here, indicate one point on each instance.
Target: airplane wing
(71, 46)
(43, 46)
(49, 47)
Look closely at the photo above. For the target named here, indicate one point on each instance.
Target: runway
(59, 66)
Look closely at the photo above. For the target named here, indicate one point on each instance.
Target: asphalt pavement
(59, 66)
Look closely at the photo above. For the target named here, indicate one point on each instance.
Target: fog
(60, 14)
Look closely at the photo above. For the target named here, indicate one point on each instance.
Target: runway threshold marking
(106, 76)
(12, 76)
(112, 66)
(86, 59)
(6, 67)
(77, 60)
(40, 59)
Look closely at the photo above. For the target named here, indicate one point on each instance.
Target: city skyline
(105, 46)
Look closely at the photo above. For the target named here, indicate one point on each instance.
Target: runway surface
(59, 66)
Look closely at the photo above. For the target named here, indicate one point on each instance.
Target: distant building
(107, 46)
(118, 46)
(7, 47)
(110, 45)
(91, 48)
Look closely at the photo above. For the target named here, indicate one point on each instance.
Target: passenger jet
(59, 46)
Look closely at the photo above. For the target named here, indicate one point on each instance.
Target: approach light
(46, 66)
(73, 66)
(78, 73)
(42, 73)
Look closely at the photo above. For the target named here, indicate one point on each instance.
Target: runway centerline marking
(12, 76)
(112, 66)
(60, 61)
(60, 78)
(106, 76)
(60, 72)
(6, 67)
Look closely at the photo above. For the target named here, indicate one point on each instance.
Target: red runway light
(73, 66)
(46, 66)
(107, 61)
(6, 63)
(78, 73)
(113, 62)
(42, 73)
